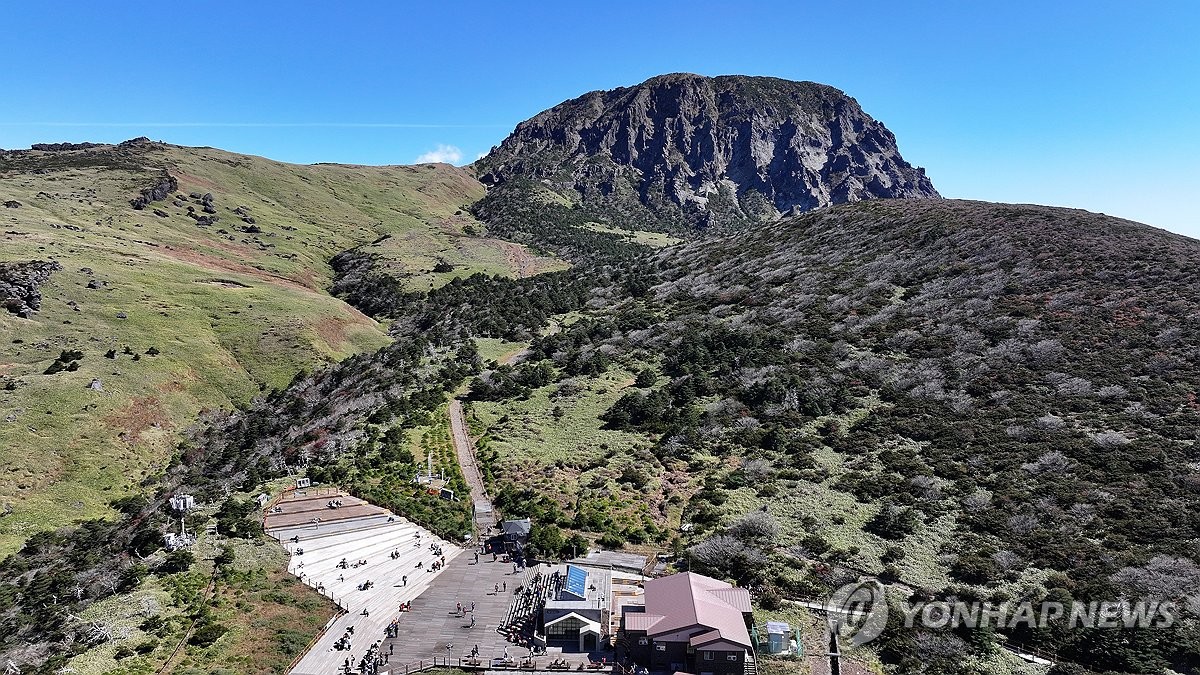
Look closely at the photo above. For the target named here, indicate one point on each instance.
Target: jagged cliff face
(709, 150)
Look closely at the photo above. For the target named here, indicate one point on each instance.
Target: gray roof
(623, 561)
(517, 527)
(597, 591)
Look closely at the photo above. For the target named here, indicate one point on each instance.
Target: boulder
(19, 283)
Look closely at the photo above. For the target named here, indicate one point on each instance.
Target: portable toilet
(777, 637)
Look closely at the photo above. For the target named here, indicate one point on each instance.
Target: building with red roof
(690, 623)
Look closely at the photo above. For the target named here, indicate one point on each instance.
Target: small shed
(778, 633)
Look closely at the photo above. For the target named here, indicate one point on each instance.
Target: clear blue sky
(1087, 104)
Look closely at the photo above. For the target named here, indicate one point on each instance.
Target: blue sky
(1086, 104)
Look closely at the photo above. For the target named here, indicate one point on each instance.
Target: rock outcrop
(63, 147)
(19, 283)
(709, 151)
(163, 188)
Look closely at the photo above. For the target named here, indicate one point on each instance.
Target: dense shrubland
(1019, 379)
(972, 400)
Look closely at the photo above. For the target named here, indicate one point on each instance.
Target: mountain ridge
(710, 151)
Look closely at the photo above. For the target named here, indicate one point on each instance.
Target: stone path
(465, 449)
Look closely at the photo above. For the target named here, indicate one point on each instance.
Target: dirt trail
(464, 448)
(518, 259)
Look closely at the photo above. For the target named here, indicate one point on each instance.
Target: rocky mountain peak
(709, 150)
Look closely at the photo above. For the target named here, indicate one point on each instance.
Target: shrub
(146, 646)
(611, 540)
(177, 561)
(207, 634)
(755, 529)
(893, 522)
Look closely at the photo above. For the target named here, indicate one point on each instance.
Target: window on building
(643, 641)
(566, 629)
(731, 657)
(709, 656)
(661, 648)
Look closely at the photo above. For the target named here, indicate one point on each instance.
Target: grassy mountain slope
(974, 399)
(968, 399)
(231, 308)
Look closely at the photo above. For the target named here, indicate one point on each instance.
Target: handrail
(313, 642)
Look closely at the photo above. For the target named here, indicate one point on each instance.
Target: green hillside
(229, 308)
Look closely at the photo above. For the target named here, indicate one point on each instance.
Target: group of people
(334, 504)
(371, 661)
(344, 643)
(342, 564)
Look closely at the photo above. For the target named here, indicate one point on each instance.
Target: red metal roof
(689, 600)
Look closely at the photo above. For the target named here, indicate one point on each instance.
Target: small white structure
(183, 503)
(262, 499)
(777, 637)
(435, 482)
(174, 542)
(303, 483)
